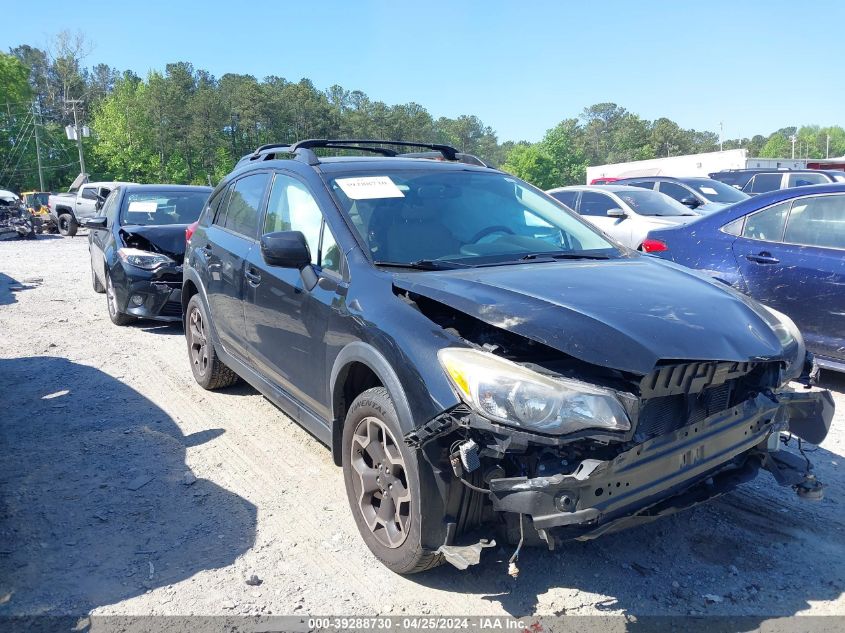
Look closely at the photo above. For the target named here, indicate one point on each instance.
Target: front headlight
(506, 392)
(143, 259)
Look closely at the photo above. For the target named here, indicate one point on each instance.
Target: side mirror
(692, 203)
(286, 249)
(95, 224)
(616, 213)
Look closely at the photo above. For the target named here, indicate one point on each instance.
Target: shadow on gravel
(154, 327)
(754, 554)
(7, 295)
(97, 502)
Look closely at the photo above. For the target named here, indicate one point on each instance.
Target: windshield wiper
(423, 264)
(564, 255)
(545, 258)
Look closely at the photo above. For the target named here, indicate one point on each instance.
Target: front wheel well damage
(354, 379)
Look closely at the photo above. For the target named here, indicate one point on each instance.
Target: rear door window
(89, 193)
(817, 221)
(566, 197)
(596, 204)
(675, 191)
(762, 183)
(802, 180)
(244, 204)
(767, 224)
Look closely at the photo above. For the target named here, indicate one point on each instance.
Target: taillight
(651, 245)
(190, 230)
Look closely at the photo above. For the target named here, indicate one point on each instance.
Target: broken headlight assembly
(143, 259)
(512, 394)
(792, 341)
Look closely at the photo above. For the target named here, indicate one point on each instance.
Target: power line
(19, 147)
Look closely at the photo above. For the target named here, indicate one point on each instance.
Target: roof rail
(304, 150)
(371, 145)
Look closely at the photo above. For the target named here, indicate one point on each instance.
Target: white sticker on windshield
(143, 206)
(709, 191)
(369, 188)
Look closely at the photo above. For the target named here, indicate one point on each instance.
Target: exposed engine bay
(697, 430)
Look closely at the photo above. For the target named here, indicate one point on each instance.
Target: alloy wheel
(111, 296)
(380, 482)
(198, 341)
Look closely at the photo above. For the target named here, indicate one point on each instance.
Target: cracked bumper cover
(656, 477)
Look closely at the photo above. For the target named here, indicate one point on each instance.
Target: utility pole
(721, 135)
(35, 124)
(78, 129)
(826, 152)
(793, 138)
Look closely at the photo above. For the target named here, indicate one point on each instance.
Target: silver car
(624, 213)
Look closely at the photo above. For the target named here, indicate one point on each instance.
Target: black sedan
(137, 245)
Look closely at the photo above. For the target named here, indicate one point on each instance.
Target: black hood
(168, 239)
(625, 314)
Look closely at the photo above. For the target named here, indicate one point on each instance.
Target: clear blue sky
(521, 67)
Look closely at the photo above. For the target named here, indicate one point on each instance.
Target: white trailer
(691, 165)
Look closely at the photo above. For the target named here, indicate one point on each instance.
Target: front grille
(171, 309)
(664, 414)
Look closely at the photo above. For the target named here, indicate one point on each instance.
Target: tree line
(184, 125)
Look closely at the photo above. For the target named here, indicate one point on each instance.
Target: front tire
(208, 370)
(386, 494)
(117, 317)
(67, 225)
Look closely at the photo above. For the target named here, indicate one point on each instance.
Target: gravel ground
(127, 489)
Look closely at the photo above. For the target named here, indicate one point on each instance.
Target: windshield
(40, 198)
(716, 191)
(647, 202)
(162, 207)
(839, 177)
(463, 217)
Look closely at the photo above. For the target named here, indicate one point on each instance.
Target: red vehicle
(606, 180)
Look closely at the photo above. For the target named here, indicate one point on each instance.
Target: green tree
(14, 80)
(531, 163)
(778, 146)
(561, 144)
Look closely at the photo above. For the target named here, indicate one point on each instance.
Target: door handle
(763, 258)
(252, 276)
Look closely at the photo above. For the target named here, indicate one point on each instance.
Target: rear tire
(208, 370)
(67, 225)
(386, 494)
(117, 317)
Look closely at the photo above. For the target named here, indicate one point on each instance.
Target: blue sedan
(785, 248)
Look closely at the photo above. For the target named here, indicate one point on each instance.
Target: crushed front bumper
(162, 300)
(664, 474)
(146, 294)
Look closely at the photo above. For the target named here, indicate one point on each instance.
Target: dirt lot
(127, 489)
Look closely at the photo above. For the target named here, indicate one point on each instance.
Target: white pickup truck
(82, 201)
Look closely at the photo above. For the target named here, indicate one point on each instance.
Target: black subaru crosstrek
(479, 359)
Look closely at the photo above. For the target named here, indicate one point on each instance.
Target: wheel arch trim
(369, 356)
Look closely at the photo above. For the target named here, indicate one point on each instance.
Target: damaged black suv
(478, 357)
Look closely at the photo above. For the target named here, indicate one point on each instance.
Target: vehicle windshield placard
(369, 188)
